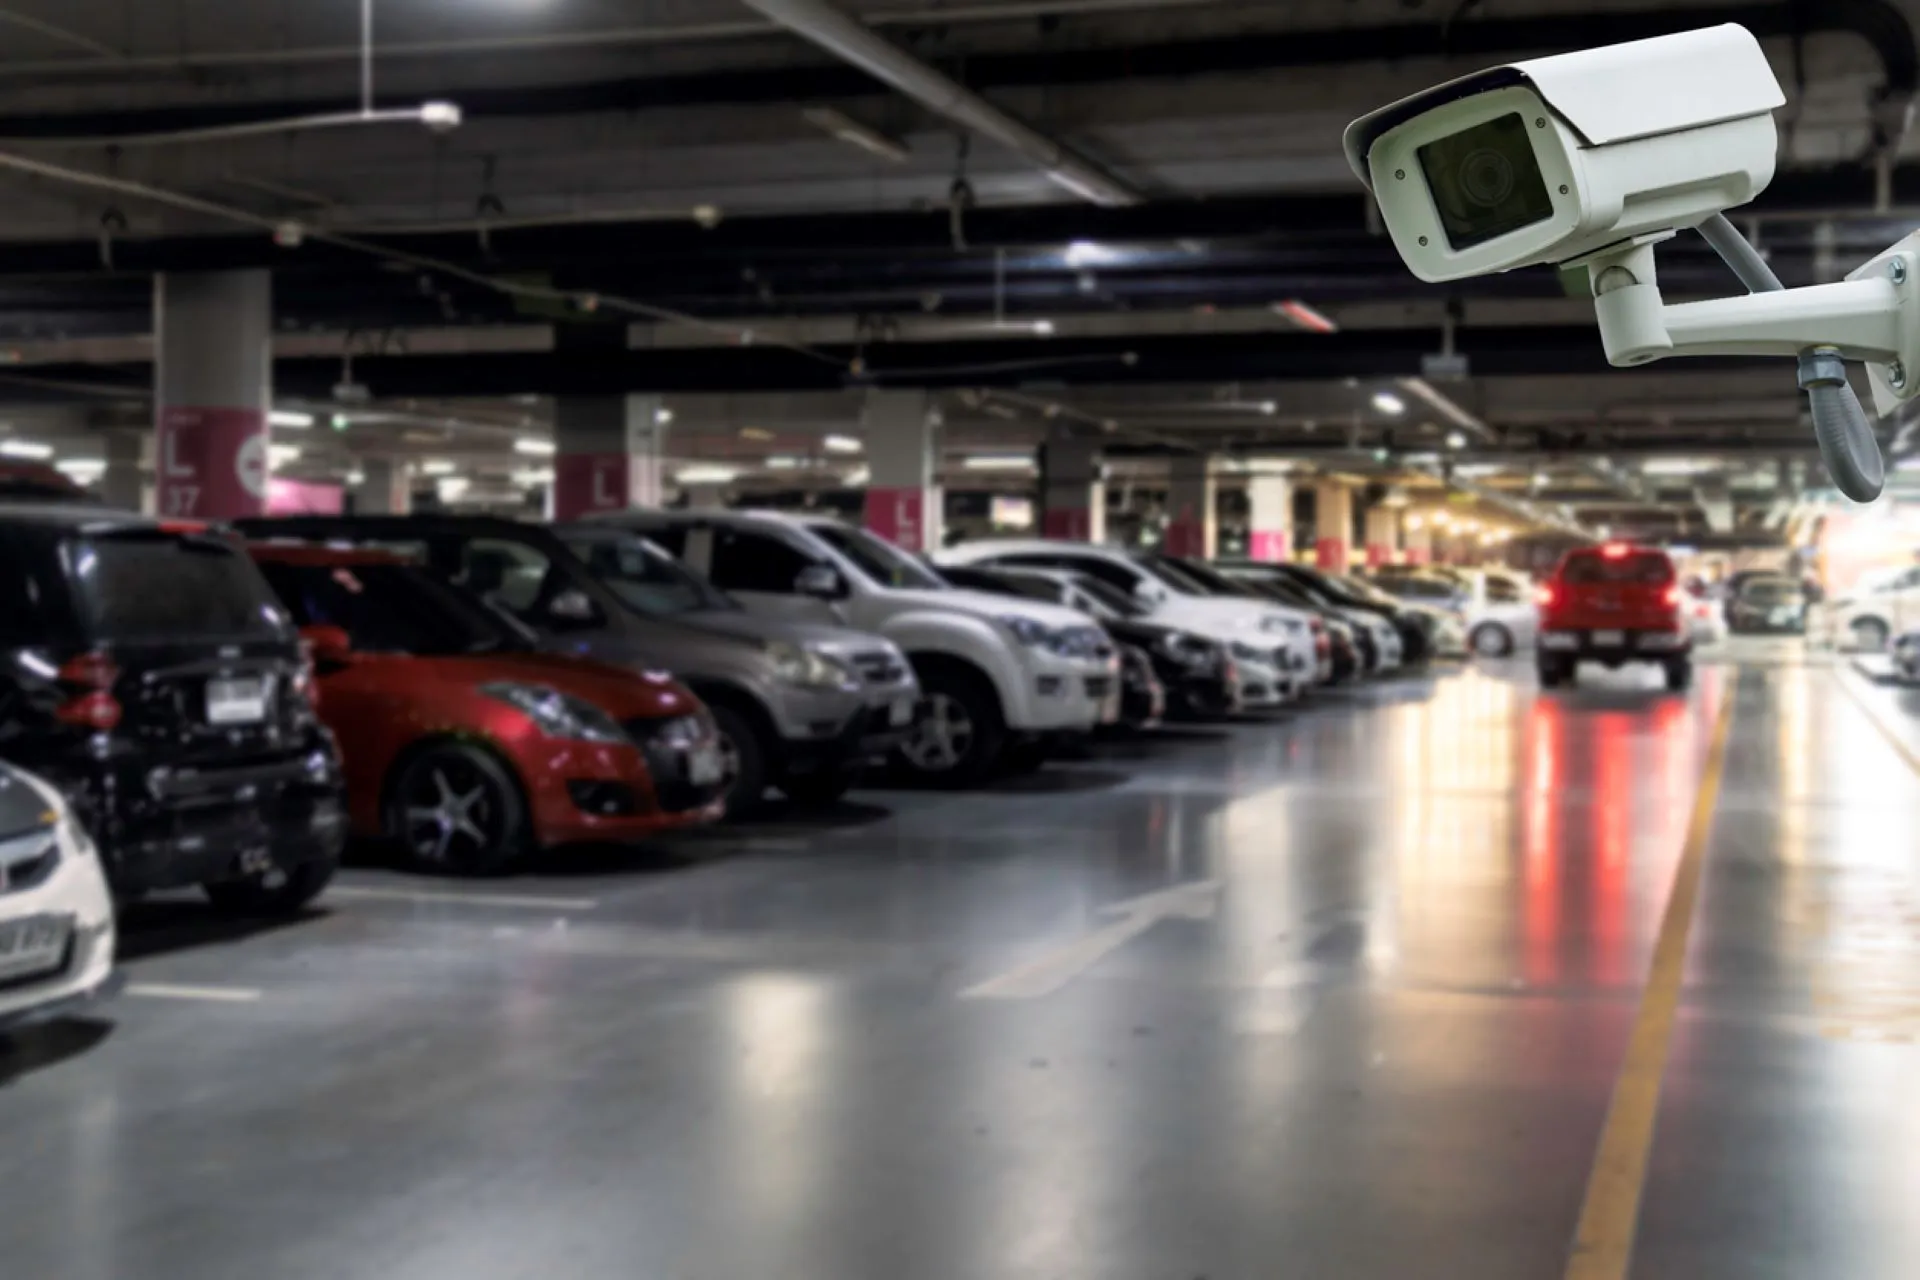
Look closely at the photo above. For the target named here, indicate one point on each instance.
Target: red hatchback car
(1613, 604)
(463, 743)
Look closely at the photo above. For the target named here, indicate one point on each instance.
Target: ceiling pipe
(820, 23)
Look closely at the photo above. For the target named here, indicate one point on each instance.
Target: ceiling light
(290, 419)
(755, 433)
(82, 470)
(356, 477)
(1088, 253)
(437, 467)
(452, 488)
(533, 447)
(705, 475)
(841, 444)
(663, 416)
(1269, 407)
(1414, 520)
(1456, 439)
(858, 476)
(783, 462)
(1541, 478)
(1471, 470)
(279, 454)
(440, 116)
(1676, 466)
(31, 449)
(853, 133)
(1043, 327)
(1389, 403)
(533, 475)
(998, 462)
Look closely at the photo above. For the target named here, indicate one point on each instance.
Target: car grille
(1099, 686)
(26, 862)
(663, 742)
(880, 668)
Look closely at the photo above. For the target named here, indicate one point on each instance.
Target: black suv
(150, 673)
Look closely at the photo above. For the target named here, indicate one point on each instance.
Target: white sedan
(56, 915)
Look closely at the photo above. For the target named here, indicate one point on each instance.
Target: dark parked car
(1416, 627)
(1768, 603)
(151, 675)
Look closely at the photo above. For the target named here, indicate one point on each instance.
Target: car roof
(71, 515)
(309, 553)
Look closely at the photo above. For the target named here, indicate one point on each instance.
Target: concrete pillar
(1270, 518)
(902, 440)
(124, 482)
(1332, 526)
(1073, 489)
(1383, 536)
(607, 454)
(1417, 535)
(213, 365)
(1193, 526)
(385, 488)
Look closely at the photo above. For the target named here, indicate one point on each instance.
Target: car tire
(1555, 672)
(1491, 640)
(959, 734)
(1870, 634)
(1018, 759)
(454, 807)
(272, 893)
(1679, 675)
(818, 789)
(744, 752)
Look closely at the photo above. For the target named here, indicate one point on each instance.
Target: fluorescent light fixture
(1305, 317)
(290, 419)
(533, 475)
(81, 470)
(452, 488)
(663, 416)
(1389, 403)
(755, 433)
(1472, 469)
(841, 444)
(855, 134)
(1089, 253)
(1414, 520)
(356, 477)
(279, 454)
(1676, 466)
(998, 462)
(783, 462)
(438, 467)
(1456, 439)
(32, 450)
(858, 476)
(705, 475)
(1269, 407)
(440, 115)
(1043, 327)
(533, 447)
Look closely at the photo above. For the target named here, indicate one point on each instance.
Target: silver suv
(800, 708)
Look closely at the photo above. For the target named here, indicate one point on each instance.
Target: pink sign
(587, 482)
(899, 516)
(1072, 523)
(213, 463)
(304, 498)
(1419, 555)
(1378, 554)
(1331, 554)
(1269, 546)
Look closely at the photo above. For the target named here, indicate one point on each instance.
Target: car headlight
(1080, 642)
(1252, 653)
(1028, 632)
(1189, 650)
(794, 664)
(555, 714)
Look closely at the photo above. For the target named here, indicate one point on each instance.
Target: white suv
(56, 918)
(997, 675)
(1882, 606)
(1255, 627)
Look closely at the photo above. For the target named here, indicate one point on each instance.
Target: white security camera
(1546, 160)
(1589, 160)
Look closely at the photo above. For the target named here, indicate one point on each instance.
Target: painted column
(1383, 536)
(1073, 489)
(1332, 526)
(213, 344)
(705, 497)
(902, 443)
(1192, 522)
(124, 482)
(607, 454)
(1417, 532)
(1270, 518)
(385, 488)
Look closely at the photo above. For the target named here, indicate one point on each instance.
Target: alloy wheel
(943, 734)
(450, 811)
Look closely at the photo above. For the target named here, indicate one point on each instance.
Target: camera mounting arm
(1873, 316)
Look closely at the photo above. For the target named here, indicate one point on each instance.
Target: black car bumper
(1613, 649)
(867, 737)
(1203, 696)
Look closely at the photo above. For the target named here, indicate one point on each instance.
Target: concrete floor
(1362, 1019)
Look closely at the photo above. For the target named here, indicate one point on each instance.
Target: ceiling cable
(366, 57)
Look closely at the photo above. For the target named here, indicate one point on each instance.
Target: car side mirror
(821, 581)
(572, 607)
(327, 646)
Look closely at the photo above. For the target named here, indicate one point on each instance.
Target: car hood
(22, 806)
(620, 691)
(760, 629)
(979, 604)
(1227, 618)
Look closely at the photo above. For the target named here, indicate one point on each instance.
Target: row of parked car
(225, 707)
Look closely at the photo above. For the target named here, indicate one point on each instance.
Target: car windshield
(645, 577)
(393, 608)
(1110, 597)
(1645, 568)
(879, 559)
(147, 585)
(1359, 590)
(1173, 574)
(1210, 580)
(1771, 590)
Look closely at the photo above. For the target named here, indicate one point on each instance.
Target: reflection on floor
(1344, 994)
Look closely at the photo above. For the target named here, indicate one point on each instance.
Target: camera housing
(1551, 159)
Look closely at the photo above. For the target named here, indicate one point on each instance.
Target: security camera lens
(1486, 181)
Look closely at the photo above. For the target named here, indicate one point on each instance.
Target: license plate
(1609, 637)
(240, 700)
(703, 765)
(900, 714)
(34, 946)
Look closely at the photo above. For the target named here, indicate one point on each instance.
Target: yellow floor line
(1603, 1243)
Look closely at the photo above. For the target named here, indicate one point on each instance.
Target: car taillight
(1543, 595)
(93, 705)
(1672, 596)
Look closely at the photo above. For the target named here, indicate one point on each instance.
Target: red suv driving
(1613, 604)
(467, 746)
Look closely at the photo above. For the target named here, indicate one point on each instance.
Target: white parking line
(175, 991)
(515, 901)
